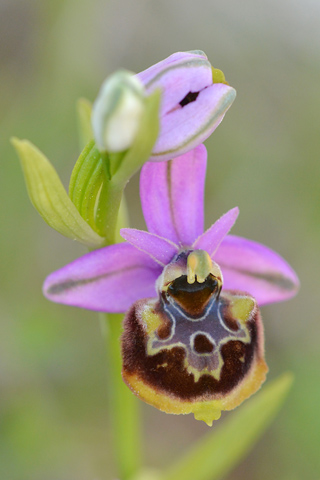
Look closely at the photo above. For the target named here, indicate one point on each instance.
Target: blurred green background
(54, 422)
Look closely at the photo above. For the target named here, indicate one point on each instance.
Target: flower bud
(117, 112)
(195, 98)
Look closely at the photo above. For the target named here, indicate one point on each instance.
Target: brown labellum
(194, 349)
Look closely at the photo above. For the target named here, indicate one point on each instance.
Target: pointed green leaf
(86, 182)
(84, 108)
(49, 197)
(218, 452)
(144, 142)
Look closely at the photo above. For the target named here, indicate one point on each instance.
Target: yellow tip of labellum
(206, 413)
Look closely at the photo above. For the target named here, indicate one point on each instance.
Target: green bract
(49, 197)
(86, 182)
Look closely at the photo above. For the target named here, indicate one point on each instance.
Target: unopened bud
(117, 112)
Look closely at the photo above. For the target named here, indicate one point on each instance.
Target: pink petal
(176, 76)
(184, 128)
(172, 196)
(108, 280)
(159, 248)
(211, 239)
(251, 267)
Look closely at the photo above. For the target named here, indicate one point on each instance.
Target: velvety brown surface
(165, 371)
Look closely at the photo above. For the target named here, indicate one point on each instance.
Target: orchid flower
(194, 100)
(193, 337)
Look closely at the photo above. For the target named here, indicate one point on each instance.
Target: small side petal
(158, 248)
(107, 280)
(211, 238)
(172, 196)
(251, 267)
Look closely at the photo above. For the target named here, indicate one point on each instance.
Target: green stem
(124, 406)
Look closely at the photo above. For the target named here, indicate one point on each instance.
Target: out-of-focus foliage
(216, 454)
(264, 158)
